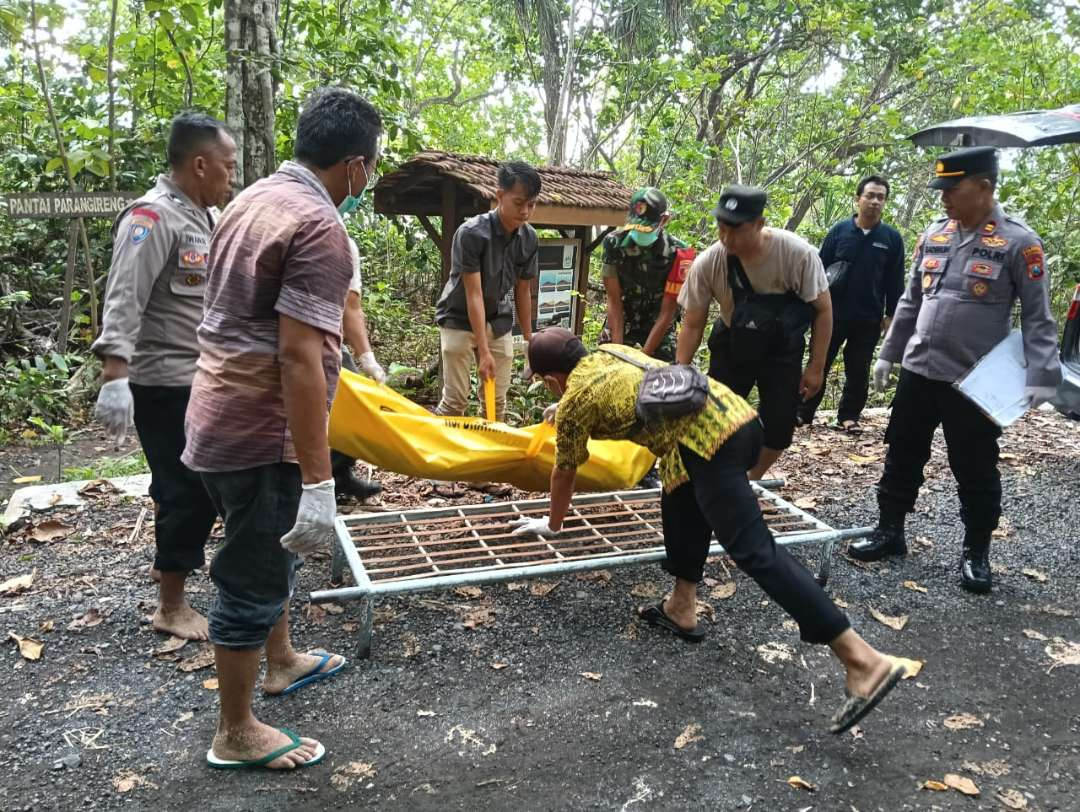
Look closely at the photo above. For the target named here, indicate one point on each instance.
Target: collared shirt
(279, 249)
(599, 403)
(875, 278)
(959, 300)
(481, 245)
(154, 296)
(790, 265)
(646, 275)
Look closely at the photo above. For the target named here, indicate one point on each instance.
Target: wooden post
(584, 234)
(69, 283)
(89, 280)
(449, 224)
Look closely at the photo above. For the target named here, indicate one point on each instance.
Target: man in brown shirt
(270, 346)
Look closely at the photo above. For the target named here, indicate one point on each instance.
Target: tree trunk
(251, 51)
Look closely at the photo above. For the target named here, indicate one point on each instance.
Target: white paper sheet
(996, 383)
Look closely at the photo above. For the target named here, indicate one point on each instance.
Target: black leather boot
(975, 575)
(887, 539)
(347, 483)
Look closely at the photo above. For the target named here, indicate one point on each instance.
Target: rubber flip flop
(316, 674)
(856, 707)
(654, 616)
(294, 742)
(848, 427)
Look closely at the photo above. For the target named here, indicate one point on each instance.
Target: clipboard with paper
(996, 383)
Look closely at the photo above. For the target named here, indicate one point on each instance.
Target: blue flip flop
(316, 674)
(294, 742)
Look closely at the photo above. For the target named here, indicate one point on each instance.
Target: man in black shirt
(870, 285)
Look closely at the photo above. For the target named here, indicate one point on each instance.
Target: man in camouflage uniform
(969, 268)
(644, 268)
(153, 305)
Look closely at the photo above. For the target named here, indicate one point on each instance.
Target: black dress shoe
(887, 539)
(650, 481)
(349, 484)
(975, 573)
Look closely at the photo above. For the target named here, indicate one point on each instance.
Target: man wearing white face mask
(270, 353)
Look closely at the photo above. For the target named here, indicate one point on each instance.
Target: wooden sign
(67, 204)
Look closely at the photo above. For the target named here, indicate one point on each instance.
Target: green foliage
(109, 467)
(34, 389)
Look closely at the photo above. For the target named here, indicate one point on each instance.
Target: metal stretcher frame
(441, 548)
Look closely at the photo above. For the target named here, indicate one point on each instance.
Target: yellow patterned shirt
(599, 403)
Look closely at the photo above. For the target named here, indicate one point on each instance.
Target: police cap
(953, 167)
(740, 204)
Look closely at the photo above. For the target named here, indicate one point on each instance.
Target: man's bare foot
(183, 621)
(256, 740)
(862, 679)
(682, 614)
(280, 675)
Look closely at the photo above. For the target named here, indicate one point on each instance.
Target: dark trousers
(858, 338)
(919, 407)
(341, 464)
(253, 573)
(777, 381)
(183, 513)
(718, 499)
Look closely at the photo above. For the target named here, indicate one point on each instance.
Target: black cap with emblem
(953, 167)
(740, 204)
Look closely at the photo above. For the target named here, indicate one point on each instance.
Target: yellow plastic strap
(489, 398)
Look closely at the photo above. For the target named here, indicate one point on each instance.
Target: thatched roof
(418, 185)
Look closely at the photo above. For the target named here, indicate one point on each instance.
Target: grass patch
(109, 467)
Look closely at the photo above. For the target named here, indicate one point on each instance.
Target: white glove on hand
(115, 409)
(882, 371)
(524, 526)
(372, 368)
(1038, 395)
(314, 526)
(549, 413)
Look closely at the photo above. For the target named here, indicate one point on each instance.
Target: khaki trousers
(458, 357)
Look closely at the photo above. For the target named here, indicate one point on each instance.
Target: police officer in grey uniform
(968, 270)
(153, 306)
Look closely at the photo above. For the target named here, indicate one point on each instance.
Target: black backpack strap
(627, 359)
(737, 278)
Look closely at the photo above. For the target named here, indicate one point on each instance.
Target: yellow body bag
(372, 422)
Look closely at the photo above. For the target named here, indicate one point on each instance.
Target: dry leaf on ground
(478, 617)
(333, 608)
(87, 620)
(500, 666)
(843, 604)
(98, 487)
(126, 781)
(773, 652)
(995, 768)
(13, 586)
(691, 733)
(26, 480)
(602, 577)
(540, 590)
(963, 721)
(210, 683)
(805, 503)
(801, 783)
(914, 587)
(1063, 652)
(1035, 575)
(723, 591)
(897, 623)
(911, 667)
(204, 658)
(645, 591)
(315, 613)
(1054, 611)
(425, 713)
(469, 592)
(174, 643)
(705, 610)
(592, 675)
(936, 786)
(859, 459)
(29, 648)
(1031, 634)
(51, 530)
(1011, 798)
(961, 784)
(514, 586)
(348, 774)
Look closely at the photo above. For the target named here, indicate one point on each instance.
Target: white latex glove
(524, 526)
(372, 368)
(314, 526)
(882, 371)
(549, 413)
(1038, 395)
(115, 409)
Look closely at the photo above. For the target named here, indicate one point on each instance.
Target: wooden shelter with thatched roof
(453, 187)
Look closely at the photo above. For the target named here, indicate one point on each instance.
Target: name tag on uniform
(881, 246)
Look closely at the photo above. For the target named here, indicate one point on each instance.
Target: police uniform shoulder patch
(950, 227)
(994, 242)
(1036, 263)
(941, 238)
(142, 222)
(979, 288)
(990, 227)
